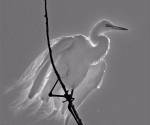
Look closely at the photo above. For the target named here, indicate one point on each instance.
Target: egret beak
(115, 27)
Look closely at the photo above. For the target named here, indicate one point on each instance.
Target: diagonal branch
(67, 96)
(50, 50)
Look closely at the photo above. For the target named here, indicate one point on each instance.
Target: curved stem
(66, 95)
(50, 50)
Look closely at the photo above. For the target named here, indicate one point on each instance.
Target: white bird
(73, 56)
(79, 51)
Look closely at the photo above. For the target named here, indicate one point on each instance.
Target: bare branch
(67, 96)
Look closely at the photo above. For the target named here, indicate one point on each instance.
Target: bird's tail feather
(30, 73)
(23, 86)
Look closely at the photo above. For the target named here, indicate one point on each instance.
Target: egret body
(74, 57)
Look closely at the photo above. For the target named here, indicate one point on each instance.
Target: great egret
(83, 51)
(73, 56)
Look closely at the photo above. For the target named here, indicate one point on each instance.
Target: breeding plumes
(80, 61)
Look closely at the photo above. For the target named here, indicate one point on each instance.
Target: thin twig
(67, 96)
(50, 50)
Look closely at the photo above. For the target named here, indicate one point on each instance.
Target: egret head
(103, 26)
(108, 26)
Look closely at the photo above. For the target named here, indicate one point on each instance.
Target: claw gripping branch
(67, 96)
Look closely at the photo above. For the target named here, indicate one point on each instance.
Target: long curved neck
(101, 49)
(95, 32)
(101, 41)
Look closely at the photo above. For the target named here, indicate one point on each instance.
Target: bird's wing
(39, 77)
(49, 104)
(25, 85)
(48, 81)
(62, 44)
(34, 69)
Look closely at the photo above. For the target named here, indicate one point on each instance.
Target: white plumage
(79, 60)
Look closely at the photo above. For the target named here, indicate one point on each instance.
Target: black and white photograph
(74, 62)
